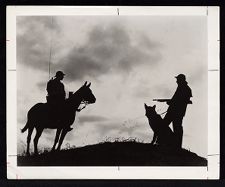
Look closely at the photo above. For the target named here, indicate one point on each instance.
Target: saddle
(55, 105)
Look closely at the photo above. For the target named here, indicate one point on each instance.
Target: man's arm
(49, 87)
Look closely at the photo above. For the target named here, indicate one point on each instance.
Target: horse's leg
(30, 130)
(37, 136)
(56, 138)
(63, 134)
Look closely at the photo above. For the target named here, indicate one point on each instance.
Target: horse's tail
(25, 127)
(32, 116)
(28, 124)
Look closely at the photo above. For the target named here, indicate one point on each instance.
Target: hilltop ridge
(115, 154)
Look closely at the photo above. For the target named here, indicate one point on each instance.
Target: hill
(115, 154)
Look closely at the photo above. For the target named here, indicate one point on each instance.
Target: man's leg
(178, 131)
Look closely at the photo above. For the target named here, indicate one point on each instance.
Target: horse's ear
(154, 106)
(85, 84)
(89, 84)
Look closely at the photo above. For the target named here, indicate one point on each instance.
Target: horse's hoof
(53, 150)
(36, 154)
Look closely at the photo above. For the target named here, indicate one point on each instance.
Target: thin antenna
(50, 55)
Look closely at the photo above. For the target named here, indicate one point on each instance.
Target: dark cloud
(109, 49)
(34, 35)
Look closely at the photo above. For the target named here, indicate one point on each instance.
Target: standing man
(177, 108)
(55, 89)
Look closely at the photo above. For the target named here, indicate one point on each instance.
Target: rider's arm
(168, 102)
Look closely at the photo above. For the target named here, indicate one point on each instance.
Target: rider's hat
(59, 73)
(181, 77)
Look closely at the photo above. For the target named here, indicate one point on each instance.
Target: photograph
(111, 91)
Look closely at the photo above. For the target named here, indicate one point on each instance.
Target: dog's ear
(154, 106)
(145, 106)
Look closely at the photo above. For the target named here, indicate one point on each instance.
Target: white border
(210, 172)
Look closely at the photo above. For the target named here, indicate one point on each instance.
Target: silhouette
(55, 89)
(163, 135)
(56, 94)
(131, 153)
(177, 107)
(40, 117)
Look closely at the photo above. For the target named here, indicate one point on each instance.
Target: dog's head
(150, 111)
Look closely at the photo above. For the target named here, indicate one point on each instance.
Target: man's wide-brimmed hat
(59, 73)
(181, 77)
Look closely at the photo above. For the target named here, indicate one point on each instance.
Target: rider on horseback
(55, 89)
(56, 93)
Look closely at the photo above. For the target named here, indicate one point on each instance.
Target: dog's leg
(154, 139)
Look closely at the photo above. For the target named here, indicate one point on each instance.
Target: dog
(163, 135)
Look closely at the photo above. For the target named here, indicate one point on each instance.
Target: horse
(40, 116)
(163, 135)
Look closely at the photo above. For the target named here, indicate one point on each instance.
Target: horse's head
(85, 94)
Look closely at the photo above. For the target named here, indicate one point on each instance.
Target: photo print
(112, 91)
(129, 61)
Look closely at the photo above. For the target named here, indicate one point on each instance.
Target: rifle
(167, 100)
(161, 100)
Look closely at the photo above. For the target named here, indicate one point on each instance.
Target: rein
(163, 113)
(85, 104)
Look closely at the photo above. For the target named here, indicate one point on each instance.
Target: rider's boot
(69, 129)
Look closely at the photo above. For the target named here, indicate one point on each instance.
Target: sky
(130, 60)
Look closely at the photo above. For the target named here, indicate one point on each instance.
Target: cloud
(91, 118)
(34, 35)
(109, 49)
